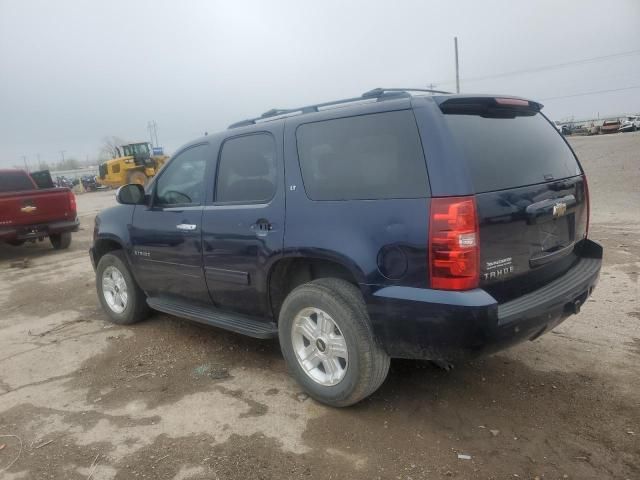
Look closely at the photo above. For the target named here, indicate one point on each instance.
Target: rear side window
(511, 152)
(365, 157)
(247, 171)
(15, 182)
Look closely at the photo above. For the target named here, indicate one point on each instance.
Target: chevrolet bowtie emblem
(559, 209)
(28, 209)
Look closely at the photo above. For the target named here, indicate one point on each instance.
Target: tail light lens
(454, 244)
(582, 219)
(588, 200)
(72, 201)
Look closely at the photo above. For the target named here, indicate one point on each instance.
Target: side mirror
(131, 194)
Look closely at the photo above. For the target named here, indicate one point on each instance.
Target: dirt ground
(169, 399)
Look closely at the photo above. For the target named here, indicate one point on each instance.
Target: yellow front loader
(134, 164)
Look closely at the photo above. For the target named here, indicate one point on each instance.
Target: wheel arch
(296, 268)
(106, 244)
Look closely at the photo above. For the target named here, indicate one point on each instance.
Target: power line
(592, 93)
(551, 67)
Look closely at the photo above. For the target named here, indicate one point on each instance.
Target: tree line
(108, 150)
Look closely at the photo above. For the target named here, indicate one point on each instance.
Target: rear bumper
(29, 232)
(444, 325)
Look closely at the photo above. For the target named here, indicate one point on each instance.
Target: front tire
(328, 344)
(60, 241)
(119, 294)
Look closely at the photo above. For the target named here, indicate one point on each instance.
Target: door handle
(186, 227)
(262, 227)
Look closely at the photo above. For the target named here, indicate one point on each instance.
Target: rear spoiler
(489, 106)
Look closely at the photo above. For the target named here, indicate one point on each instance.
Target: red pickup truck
(30, 213)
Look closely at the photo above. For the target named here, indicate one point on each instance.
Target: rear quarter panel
(359, 234)
(449, 175)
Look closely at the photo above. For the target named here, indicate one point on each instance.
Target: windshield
(136, 150)
(141, 149)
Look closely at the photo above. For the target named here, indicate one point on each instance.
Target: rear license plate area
(33, 230)
(555, 234)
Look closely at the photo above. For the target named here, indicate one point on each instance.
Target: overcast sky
(72, 72)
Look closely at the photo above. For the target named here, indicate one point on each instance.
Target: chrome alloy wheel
(114, 289)
(319, 346)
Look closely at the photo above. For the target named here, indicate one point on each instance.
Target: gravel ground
(82, 398)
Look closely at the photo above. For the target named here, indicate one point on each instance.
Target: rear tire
(138, 177)
(60, 241)
(349, 376)
(119, 294)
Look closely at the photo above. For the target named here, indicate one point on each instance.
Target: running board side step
(234, 322)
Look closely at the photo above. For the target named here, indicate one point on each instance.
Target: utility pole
(152, 126)
(455, 43)
(62, 155)
(24, 159)
(150, 132)
(432, 86)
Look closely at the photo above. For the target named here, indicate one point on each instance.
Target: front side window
(247, 170)
(182, 180)
(365, 157)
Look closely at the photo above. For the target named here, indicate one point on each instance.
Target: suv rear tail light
(588, 209)
(72, 201)
(454, 244)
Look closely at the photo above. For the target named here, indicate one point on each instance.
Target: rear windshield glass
(511, 152)
(15, 182)
(362, 158)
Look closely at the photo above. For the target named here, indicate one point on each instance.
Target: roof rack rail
(376, 92)
(379, 93)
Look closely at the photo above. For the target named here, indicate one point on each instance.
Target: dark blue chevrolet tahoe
(395, 224)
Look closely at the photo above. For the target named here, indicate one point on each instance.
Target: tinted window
(42, 178)
(247, 170)
(365, 157)
(15, 182)
(181, 181)
(511, 152)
